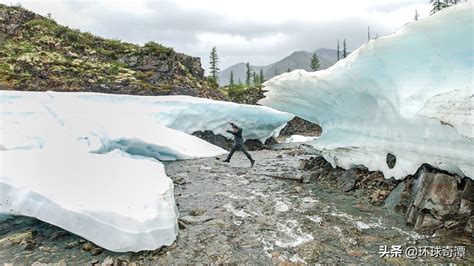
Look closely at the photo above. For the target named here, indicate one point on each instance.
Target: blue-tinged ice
(92, 163)
(409, 94)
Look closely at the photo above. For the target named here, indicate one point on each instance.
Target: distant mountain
(296, 60)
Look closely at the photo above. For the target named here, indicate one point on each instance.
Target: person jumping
(238, 144)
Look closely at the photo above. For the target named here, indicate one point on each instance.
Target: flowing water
(248, 215)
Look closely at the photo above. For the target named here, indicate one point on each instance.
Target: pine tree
(416, 15)
(247, 81)
(438, 5)
(255, 79)
(368, 33)
(314, 62)
(214, 61)
(288, 70)
(262, 79)
(338, 53)
(231, 79)
(344, 49)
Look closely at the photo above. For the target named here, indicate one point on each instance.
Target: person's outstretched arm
(231, 132)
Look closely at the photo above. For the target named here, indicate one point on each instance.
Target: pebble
(196, 219)
(71, 244)
(96, 251)
(88, 246)
(197, 212)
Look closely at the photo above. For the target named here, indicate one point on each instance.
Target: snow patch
(299, 139)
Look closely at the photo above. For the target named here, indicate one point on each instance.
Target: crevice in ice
(138, 147)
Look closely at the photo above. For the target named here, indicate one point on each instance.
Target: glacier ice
(91, 163)
(409, 94)
(119, 203)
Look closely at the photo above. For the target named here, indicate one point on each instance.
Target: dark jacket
(238, 139)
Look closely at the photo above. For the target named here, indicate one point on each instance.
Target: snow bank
(409, 94)
(117, 202)
(88, 162)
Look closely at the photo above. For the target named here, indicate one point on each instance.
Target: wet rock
(216, 222)
(108, 261)
(427, 223)
(306, 178)
(71, 244)
(27, 244)
(303, 164)
(17, 238)
(391, 160)
(58, 234)
(88, 246)
(196, 219)
(296, 189)
(349, 185)
(470, 226)
(468, 191)
(197, 212)
(96, 251)
(466, 207)
(438, 193)
(182, 225)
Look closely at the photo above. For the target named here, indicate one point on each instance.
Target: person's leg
(234, 148)
(244, 150)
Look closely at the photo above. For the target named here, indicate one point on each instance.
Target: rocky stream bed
(233, 213)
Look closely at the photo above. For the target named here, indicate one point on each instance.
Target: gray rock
(197, 212)
(470, 226)
(468, 192)
(71, 244)
(391, 160)
(438, 193)
(96, 251)
(466, 207)
(196, 219)
(427, 223)
(349, 185)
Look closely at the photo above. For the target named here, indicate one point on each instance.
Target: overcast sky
(255, 31)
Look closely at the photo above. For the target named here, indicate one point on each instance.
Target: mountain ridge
(296, 60)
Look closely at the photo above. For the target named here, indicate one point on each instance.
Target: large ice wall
(409, 94)
(91, 163)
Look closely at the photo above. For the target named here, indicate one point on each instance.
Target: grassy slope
(42, 54)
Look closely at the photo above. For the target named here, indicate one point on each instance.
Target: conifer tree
(231, 79)
(438, 5)
(416, 15)
(255, 79)
(344, 49)
(248, 73)
(262, 79)
(314, 62)
(214, 61)
(288, 70)
(338, 53)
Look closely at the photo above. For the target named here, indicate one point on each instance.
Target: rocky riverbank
(273, 212)
(433, 201)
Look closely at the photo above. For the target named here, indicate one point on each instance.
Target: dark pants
(239, 147)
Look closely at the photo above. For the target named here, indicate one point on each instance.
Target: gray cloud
(258, 42)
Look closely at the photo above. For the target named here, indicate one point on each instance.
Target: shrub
(156, 48)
